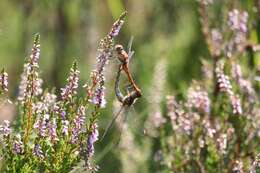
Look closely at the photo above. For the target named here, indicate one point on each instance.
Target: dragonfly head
(119, 48)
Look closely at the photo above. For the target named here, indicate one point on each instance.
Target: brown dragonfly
(133, 91)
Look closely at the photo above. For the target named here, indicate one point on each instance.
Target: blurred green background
(71, 29)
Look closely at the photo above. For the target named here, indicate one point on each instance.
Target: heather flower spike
(117, 25)
(37, 151)
(70, 89)
(237, 22)
(30, 85)
(92, 138)
(105, 50)
(198, 98)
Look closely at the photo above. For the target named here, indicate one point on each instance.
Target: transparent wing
(112, 122)
(129, 47)
(130, 42)
(137, 121)
(122, 125)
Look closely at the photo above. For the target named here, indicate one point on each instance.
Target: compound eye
(119, 47)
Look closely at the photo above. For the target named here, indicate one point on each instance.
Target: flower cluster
(18, 145)
(237, 21)
(70, 89)
(37, 151)
(244, 84)
(180, 120)
(223, 82)
(92, 138)
(78, 122)
(217, 40)
(224, 85)
(198, 98)
(117, 26)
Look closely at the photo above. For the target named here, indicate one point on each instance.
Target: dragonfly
(133, 91)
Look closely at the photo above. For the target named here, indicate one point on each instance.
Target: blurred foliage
(70, 29)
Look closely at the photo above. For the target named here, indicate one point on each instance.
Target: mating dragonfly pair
(133, 91)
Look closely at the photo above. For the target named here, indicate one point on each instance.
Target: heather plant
(55, 130)
(215, 128)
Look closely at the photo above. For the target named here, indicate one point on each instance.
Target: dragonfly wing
(122, 125)
(112, 122)
(130, 55)
(137, 122)
(129, 46)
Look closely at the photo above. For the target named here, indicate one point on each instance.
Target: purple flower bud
(92, 138)
(198, 98)
(210, 131)
(58, 110)
(5, 129)
(52, 130)
(63, 114)
(238, 20)
(49, 100)
(185, 124)
(245, 85)
(217, 40)
(238, 24)
(78, 122)
(117, 26)
(41, 124)
(18, 145)
(65, 127)
(223, 81)
(99, 97)
(37, 151)
(236, 105)
(39, 107)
